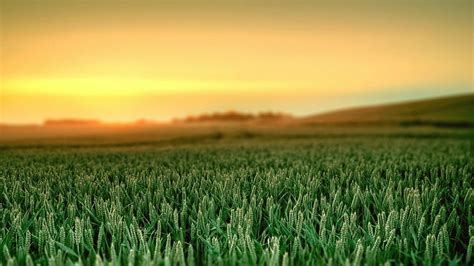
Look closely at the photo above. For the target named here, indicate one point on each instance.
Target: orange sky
(125, 60)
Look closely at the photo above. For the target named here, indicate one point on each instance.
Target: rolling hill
(453, 111)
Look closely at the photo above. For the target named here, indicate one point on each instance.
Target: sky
(129, 60)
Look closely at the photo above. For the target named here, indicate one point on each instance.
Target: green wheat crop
(286, 202)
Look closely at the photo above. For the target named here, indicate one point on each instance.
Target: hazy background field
(440, 117)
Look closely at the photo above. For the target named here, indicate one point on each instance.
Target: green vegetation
(240, 200)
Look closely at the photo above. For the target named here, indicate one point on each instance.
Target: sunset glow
(122, 62)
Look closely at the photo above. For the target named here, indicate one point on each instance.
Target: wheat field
(240, 201)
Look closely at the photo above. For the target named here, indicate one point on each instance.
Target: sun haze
(125, 60)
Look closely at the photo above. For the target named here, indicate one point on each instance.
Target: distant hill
(453, 111)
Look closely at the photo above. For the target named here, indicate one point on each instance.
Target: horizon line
(150, 121)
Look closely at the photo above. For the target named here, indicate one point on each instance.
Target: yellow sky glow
(108, 61)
